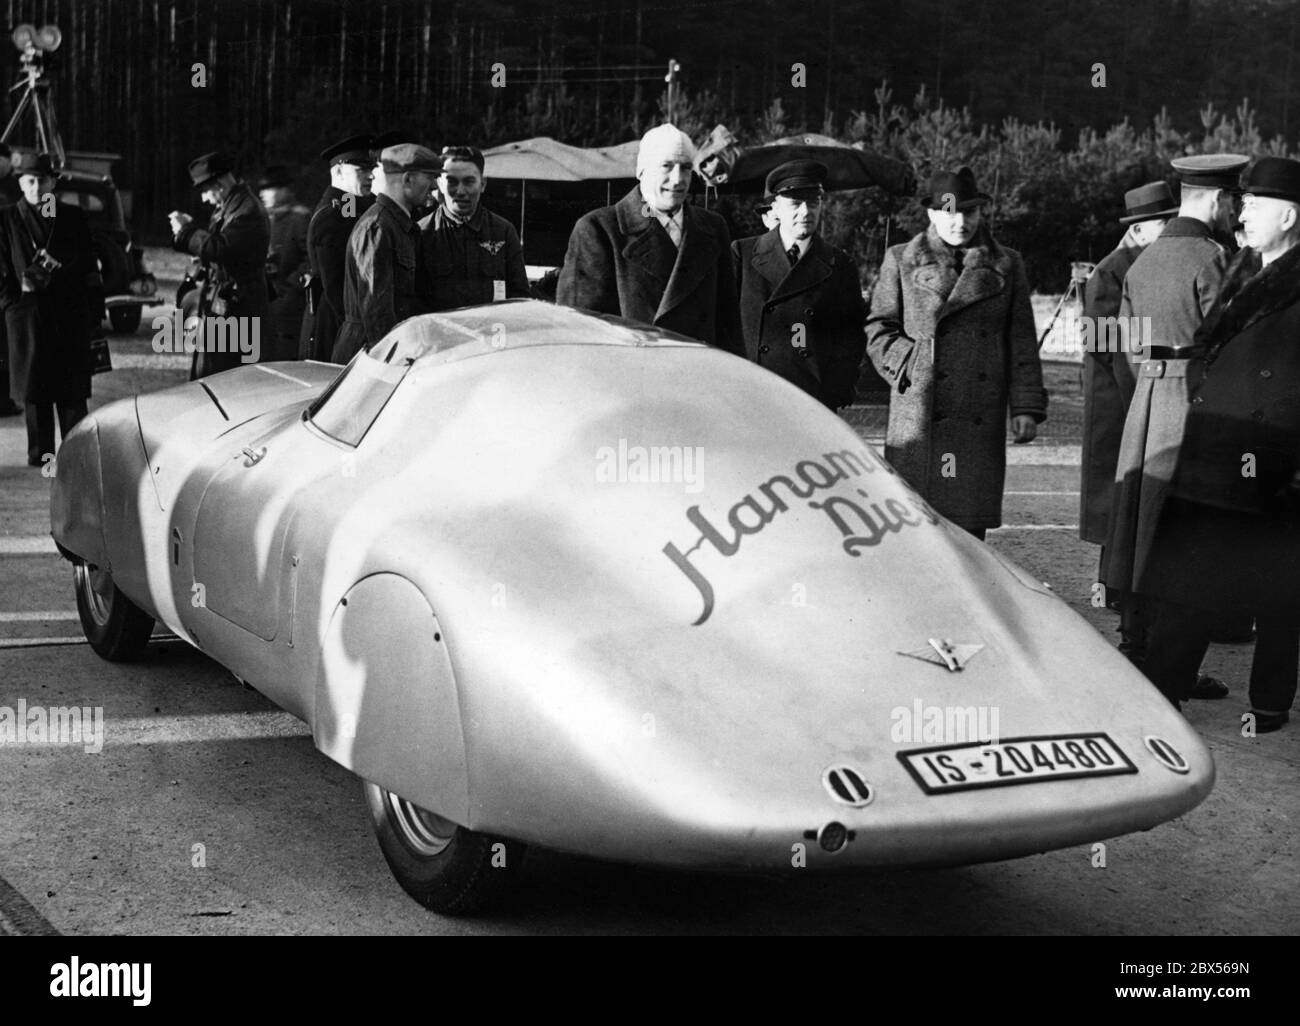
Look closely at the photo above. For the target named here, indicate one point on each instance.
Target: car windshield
(346, 410)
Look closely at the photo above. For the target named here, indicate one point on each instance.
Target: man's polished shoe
(1210, 688)
(1266, 723)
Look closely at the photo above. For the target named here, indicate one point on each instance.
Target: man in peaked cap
(652, 257)
(801, 306)
(348, 196)
(1108, 381)
(231, 253)
(52, 307)
(952, 330)
(1228, 540)
(468, 255)
(286, 263)
(1169, 290)
(380, 288)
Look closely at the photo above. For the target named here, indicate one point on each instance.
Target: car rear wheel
(117, 629)
(124, 318)
(443, 866)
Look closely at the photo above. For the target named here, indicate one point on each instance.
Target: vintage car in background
(545, 578)
(129, 285)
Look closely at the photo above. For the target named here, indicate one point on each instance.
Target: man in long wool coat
(952, 330)
(1108, 380)
(652, 257)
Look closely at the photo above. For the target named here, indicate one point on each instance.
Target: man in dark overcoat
(52, 296)
(9, 195)
(801, 307)
(653, 258)
(1108, 380)
(468, 255)
(1166, 294)
(1228, 540)
(340, 207)
(286, 263)
(380, 284)
(952, 330)
(231, 253)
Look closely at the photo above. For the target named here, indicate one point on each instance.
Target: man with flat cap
(468, 255)
(952, 330)
(1228, 540)
(801, 308)
(1108, 380)
(231, 253)
(286, 263)
(1166, 295)
(380, 288)
(337, 212)
(653, 258)
(52, 298)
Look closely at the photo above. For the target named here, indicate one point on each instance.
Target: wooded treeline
(281, 78)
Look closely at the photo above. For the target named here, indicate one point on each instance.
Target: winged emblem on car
(951, 654)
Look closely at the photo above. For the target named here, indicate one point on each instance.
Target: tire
(445, 867)
(124, 318)
(117, 629)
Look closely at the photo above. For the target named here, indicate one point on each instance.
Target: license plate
(1019, 760)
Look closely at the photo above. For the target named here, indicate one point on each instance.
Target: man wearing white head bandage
(651, 257)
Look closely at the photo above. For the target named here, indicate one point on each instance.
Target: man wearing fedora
(380, 284)
(801, 308)
(951, 329)
(1228, 539)
(286, 263)
(52, 297)
(231, 253)
(348, 196)
(1108, 380)
(654, 258)
(1166, 294)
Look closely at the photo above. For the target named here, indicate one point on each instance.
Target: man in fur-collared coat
(652, 258)
(801, 306)
(952, 330)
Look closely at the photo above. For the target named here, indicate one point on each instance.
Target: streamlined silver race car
(542, 577)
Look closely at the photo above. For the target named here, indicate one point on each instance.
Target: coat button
(1257, 415)
(1266, 374)
(764, 349)
(805, 354)
(808, 312)
(1198, 400)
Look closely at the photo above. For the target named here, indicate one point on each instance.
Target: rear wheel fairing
(386, 701)
(77, 495)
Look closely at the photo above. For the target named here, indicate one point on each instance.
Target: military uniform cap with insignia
(355, 149)
(1210, 170)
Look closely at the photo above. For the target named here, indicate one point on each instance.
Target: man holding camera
(231, 251)
(53, 301)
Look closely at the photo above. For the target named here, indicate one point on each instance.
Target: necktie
(793, 255)
(674, 231)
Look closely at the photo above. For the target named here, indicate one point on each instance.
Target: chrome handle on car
(252, 457)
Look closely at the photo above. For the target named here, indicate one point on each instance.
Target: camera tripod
(1080, 272)
(33, 45)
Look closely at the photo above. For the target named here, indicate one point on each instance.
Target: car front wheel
(443, 866)
(117, 629)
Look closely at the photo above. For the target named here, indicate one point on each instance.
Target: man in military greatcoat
(286, 263)
(654, 258)
(340, 207)
(952, 330)
(801, 308)
(52, 298)
(380, 286)
(231, 252)
(1228, 539)
(1108, 380)
(1166, 295)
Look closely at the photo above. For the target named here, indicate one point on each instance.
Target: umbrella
(745, 168)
